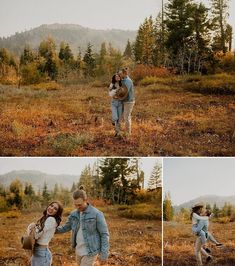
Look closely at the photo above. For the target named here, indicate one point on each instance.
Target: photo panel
(110, 78)
(106, 209)
(198, 211)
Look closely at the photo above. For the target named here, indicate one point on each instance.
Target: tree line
(187, 37)
(113, 180)
(225, 213)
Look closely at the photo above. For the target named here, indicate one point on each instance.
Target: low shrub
(142, 71)
(11, 214)
(218, 84)
(65, 143)
(223, 220)
(49, 86)
(140, 211)
(148, 81)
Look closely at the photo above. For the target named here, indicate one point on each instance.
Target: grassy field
(75, 120)
(179, 244)
(132, 242)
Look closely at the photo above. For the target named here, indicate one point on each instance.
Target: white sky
(189, 178)
(20, 15)
(63, 165)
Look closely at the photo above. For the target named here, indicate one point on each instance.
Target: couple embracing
(90, 236)
(121, 90)
(200, 227)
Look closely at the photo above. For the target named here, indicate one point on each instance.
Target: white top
(81, 246)
(197, 217)
(45, 236)
(112, 91)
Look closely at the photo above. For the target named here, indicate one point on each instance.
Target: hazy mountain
(208, 199)
(75, 35)
(37, 179)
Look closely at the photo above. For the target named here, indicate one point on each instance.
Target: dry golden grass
(179, 244)
(76, 121)
(132, 242)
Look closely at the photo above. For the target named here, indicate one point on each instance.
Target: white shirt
(81, 246)
(196, 218)
(112, 92)
(45, 236)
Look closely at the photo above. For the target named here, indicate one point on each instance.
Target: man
(90, 236)
(129, 101)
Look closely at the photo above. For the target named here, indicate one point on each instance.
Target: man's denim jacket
(94, 228)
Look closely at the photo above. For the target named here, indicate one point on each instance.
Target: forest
(186, 37)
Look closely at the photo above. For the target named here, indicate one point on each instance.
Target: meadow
(173, 116)
(178, 244)
(132, 241)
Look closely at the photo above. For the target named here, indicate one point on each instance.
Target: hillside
(37, 179)
(75, 35)
(208, 199)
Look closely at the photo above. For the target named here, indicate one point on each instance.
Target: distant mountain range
(208, 199)
(75, 35)
(37, 179)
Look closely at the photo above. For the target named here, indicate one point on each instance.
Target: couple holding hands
(90, 235)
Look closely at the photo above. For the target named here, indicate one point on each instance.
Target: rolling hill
(208, 199)
(75, 35)
(37, 179)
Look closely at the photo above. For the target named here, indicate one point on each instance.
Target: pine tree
(144, 43)
(47, 50)
(116, 179)
(155, 178)
(16, 194)
(27, 56)
(89, 61)
(220, 14)
(45, 194)
(86, 180)
(215, 211)
(128, 50)
(180, 29)
(168, 211)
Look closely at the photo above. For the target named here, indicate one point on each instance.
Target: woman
(117, 104)
(44, 231)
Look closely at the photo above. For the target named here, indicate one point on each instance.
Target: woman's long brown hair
(41, 222)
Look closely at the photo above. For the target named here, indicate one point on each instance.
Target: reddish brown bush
(142, 71)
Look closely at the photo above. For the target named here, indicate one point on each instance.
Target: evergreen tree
(215, 211)
(47, 50)
(101, 60)
(128, 50)
(86, 180)
(144, 43)
(27, 56)
(16, 194)
(168, 211)
(155, 178)
(180, 29)
(116, 179)
(220, 14)
(45, 195)
(89, 61)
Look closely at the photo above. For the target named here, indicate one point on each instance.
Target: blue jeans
(201, 229)
(41, 257)
(117, 110)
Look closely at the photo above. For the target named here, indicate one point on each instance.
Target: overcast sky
(189, 178)
(63, 165)
(20, 15)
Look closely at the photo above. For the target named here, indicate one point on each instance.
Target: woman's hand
(30, 228)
